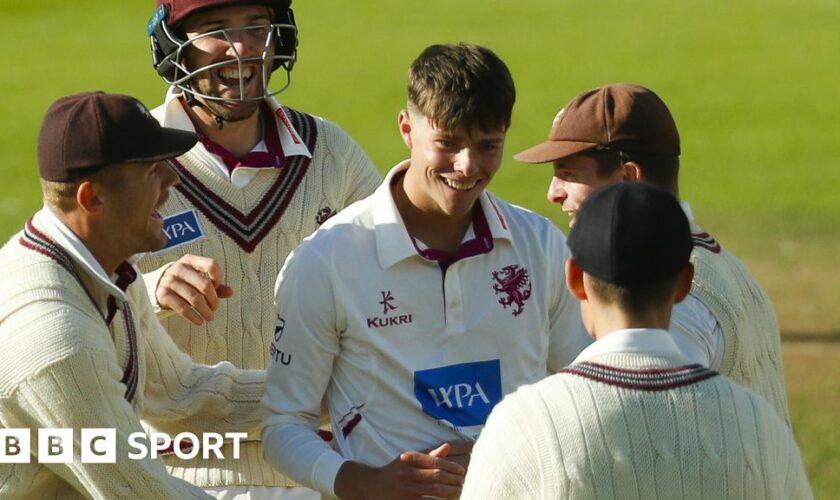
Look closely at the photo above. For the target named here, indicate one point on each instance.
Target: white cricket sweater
(622, 423)
(752, 354)
(63, 367)
(249, 231)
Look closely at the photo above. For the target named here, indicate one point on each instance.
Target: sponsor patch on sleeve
(462, 394)
(180, 229)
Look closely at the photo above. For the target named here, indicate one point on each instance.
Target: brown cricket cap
(93, 129)
(621, 117)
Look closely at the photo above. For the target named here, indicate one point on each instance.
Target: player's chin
(156, 241)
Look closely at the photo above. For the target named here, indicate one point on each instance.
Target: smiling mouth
(235, 80)
(460, 185)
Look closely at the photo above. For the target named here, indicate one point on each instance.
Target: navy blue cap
(631, 234)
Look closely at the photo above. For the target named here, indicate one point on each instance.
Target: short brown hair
(635, 300)
(461, 85)
(662, 172)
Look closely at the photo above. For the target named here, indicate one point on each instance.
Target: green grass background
(754, 87)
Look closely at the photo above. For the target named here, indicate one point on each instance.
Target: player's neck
(239, 137)
(436, 230)
(610, 318)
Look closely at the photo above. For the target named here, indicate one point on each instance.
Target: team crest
(512, 281)
(323, 215)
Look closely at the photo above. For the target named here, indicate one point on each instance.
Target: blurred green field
(754, 87)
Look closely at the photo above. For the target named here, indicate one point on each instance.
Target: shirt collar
(393, 243)
(647, 341)
(173, 115)
(115, 284)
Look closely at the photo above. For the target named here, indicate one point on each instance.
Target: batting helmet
(168, 42)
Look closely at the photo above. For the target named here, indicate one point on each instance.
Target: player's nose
(465, 162)
(556, 194)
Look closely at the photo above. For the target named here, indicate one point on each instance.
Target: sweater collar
(642, 341)
(115, 285)
(172, 114)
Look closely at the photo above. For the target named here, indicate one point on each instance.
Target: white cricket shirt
(410, 352)
(695, 329)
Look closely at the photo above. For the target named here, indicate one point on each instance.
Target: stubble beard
(231, 110)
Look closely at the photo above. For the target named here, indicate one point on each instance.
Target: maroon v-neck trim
(481, 243)
(249, 228)
(273, 157)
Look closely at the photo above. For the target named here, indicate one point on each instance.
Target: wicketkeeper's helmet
(169, 43)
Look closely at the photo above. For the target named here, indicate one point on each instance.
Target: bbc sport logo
(99, 446)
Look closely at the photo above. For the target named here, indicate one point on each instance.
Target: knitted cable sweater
(65, 365)
(250, 231)
(752, 354)
(635, 426)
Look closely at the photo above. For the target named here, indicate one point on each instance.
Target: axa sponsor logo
(180, 229)
(277, 355)
(514, 284)
(459, 395)
(463, 394)
(387, 304)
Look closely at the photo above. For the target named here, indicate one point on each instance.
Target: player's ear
(574, 279)
(684, 283)
(87, 197)
(631, 171)
(404, 122)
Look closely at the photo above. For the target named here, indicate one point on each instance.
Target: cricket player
(633, 417)
(82, 347)
(414, 311)
(261, 177)
(624, 132)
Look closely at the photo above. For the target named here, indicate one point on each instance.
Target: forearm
(300, 453)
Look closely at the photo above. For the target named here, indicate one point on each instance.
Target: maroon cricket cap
(179, 9)
(620, 117)
(94, 129)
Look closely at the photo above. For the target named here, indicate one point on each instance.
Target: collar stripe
(655, 379)
(705, 241)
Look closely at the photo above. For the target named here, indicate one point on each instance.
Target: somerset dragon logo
(324, 214)
(514, 282)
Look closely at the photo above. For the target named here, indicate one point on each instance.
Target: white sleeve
(305, 343)
(152, 278)
(568, 336)
(697, 332)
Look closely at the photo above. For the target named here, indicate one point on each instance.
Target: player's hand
(456, 451)
(192, 287)
(412, 475)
